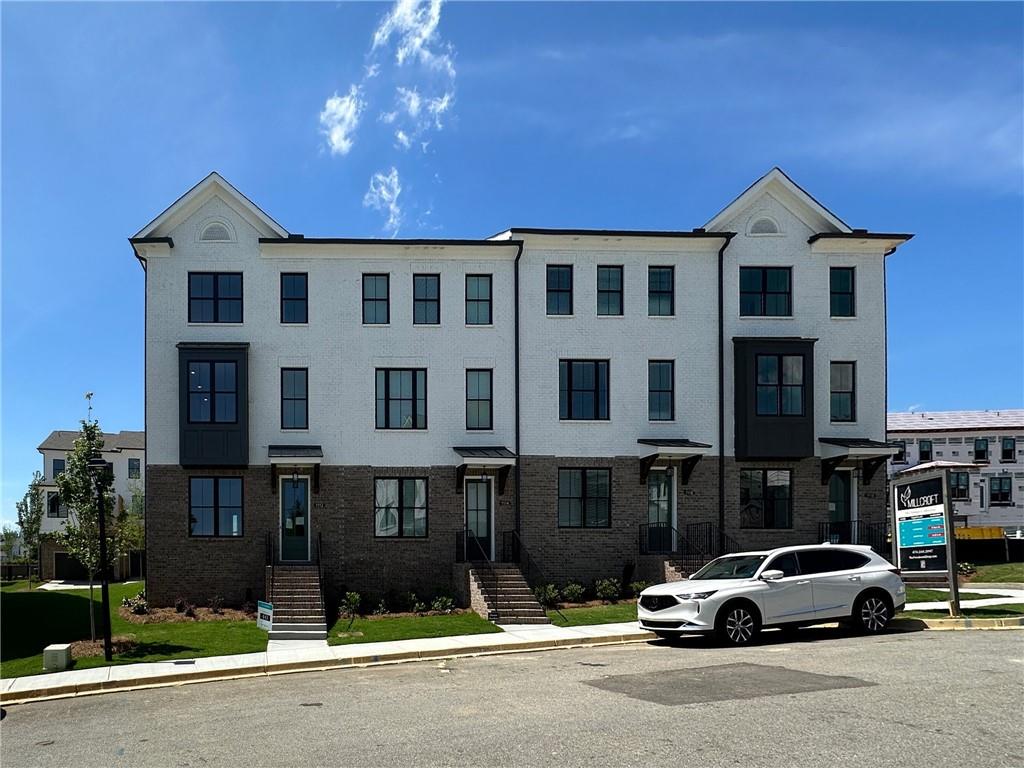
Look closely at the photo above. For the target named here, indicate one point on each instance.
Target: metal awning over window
(851, 451)
(295, 459)
(665, 450)
(484, 460)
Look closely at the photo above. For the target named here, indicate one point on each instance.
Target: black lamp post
(99, 469)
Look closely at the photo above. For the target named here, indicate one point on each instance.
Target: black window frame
(1003, 495)
(403, 507)
(138, 468)
(294, 399)
(1008, 454)
(616, 269)
(426, 302)
(565, 385)
(63, 466)
(216, 298)
(986, 458)
(780, 384)
(834, 294)
(61, 509)
(661, 293)
(477, 303)
(671, 391)
(376, 300)
(900, 457)
(302, 300)
(921, 451)
(559, 291)
(763, 498)
(387, 397)
(763, 293)
(217, 479)
(489, 399)
(852, 392)
(960, 486)
(214, 392)
(583, 497)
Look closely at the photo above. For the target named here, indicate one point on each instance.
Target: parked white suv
(736, 595)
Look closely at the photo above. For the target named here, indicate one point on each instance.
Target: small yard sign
(264, 615)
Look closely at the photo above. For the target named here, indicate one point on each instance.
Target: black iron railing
(319, 558)
(875, 535)
(514, 551)
(664, 539)
(470, 549)
(710, 540)
(271, 560)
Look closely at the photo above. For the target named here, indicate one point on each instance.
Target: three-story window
(215, 297)
(294, 398)
(843, 401)
(583, 389)
(400, 507)
(478, 300)
(841, 292)
(1008, 449)
(1000, 490)
(212, 392)
(559, 283)
(924, 450)
(766, 500)
(376, 303)
(981, 449)
(401, 398)
(479, 399)
(609, 290)
(426, 299)
(780, 385)
(766, 292)
(215, 506)
(58, 467)
(661, 390)
(294, 297)
(661, 292)
(960, 486)
(584, 498)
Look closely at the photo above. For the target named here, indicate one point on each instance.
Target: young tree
(8, 542)
(78, 492)
(30, 519)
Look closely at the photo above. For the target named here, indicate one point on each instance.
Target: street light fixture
(100, 469)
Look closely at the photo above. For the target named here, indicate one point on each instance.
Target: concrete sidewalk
(310, 656)
(1000, 596)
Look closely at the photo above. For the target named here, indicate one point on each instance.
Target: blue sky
(463, 119)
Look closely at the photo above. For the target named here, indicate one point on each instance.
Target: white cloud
(413, 23)
(383, 196)
(438, 106)
(410, 100)
(340, 118)
(404, 141)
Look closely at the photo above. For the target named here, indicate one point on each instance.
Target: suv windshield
(730, 567)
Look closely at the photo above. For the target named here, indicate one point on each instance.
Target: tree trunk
(92, 612)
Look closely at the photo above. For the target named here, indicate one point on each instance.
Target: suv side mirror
(771, 575)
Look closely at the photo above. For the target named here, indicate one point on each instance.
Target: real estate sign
(922, 525)
(264, 615)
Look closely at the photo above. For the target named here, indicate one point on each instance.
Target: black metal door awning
(871, 455)
(291, 459)
(488, 459)
(655, 450)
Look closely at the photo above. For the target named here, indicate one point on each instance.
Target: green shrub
(573, 592)
(636, 587)
(442, 604)
(179, 604)
(217, 604)
(608, 589)
(382, 608)
(350, 604)
(966, 569)
(546, 594)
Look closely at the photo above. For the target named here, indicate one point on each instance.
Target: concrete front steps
(298, 604)
(508, 597)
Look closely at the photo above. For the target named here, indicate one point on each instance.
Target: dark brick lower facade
(354, 559)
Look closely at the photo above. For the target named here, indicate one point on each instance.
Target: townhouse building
(566, 404)
(983, 452)
(126, 452)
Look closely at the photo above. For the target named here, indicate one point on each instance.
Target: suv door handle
(853, 578)
(806, 581)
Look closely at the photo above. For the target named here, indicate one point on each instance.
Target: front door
(839, 508)
(295, 519)
(478, 519)
(659, 511)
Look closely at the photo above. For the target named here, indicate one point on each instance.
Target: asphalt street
(913, 700)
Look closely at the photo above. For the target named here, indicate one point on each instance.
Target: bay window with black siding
(215, 506)
(924, 450)
(215, 297)
(401, 398)
(766, 498)
(212, 392)
(661, 291)
(294, 398)
(661, 390)
(842, 397)
(400, 507)
(1008, 449)
(559, 285)
(294, 297)
(583, 390)
(981, 450)
(841, 292)
(609, 291)
(766, 292)
(960, 486)
(426, 299)
(479, 399)
(1000, 491)
(584, 498)
(376, 303)
(478, 300)
(780, 385)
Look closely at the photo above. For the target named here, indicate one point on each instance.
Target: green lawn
(33, 620)
(989, 612)
(612, 613)
(17, 586)
(1007, 573)
(408, 627)
(931, 595)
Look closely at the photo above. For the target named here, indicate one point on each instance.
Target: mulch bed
(81, 649)
(170, 616)
(590, 603)
(411, 614)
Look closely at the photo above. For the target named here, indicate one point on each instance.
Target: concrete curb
(25, 696)
(1015, 622)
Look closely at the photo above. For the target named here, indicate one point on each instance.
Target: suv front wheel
(871, 613)
(737, 624)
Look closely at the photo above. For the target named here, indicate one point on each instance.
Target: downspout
(515, 299)
(721, 389)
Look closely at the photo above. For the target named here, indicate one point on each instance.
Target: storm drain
(722, 682)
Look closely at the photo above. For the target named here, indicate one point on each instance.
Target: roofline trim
(302, 240)
(569, 232)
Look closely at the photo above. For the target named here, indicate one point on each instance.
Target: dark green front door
(840, 528)
(659, 511)
(478, 519)
(295, 519)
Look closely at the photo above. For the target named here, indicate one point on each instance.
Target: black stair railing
(271, 559)
(514, 551)
(469, 549)
(710, 540)
(664, 539)
(875, 535)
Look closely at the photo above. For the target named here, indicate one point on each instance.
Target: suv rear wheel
(738, 624)
(871, 613)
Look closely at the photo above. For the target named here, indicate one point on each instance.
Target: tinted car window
(785, 563)
(825, 560)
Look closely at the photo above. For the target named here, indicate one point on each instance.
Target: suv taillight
(894, 570)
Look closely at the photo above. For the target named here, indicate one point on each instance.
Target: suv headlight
(696, 595)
